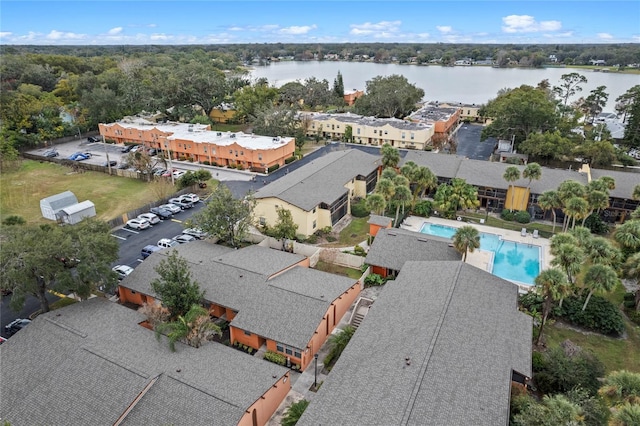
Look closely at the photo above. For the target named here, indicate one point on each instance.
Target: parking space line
(118, 237)
(130, 230)
(139, 260)
(176, 220)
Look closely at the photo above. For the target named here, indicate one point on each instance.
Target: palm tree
(194, 328)
(601, 252)
(338, 342)
(547, 284)
(567, 190)
(597, 200)
(425, 180)
(570, 258)
(621, 386)
(631, 269)
(409, 169)
(464, 196)
(532, 171)
(400, 180)
(576, 208)
(626, 415)
(401, 196)
(582, 235)
(390, 156)
(511, 174)
(376, 203)
(599, 278)
(549, 200)
(628, 235)
(559, 239)
(388, 173)
(294, 412)
(466, 239)
(386, 188)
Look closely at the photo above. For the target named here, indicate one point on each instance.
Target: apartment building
(198, 143)
(444, 120)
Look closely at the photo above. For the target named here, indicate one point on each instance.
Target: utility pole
(104, 145)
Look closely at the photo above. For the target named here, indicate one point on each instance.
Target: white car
(138, 223)
(150, 217)
(167, 243)
(190, 197)
(122, 271)
(172, 208)
(184, 238)
(178, 174)
(195, 232)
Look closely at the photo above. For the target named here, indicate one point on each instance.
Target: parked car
(150, 217)
(167, 243)
(122, 271)
(171, 207)
(148, 251)
(93, 139)
(195, 232)
(161, 213)
(2, 340)
(136, 148)
(138, 224)
(193, 198)
(178, 174)
(127, 148)
(16, 325)
(79, 156)
(183, 204)
(184, 238)
(111, 163)
(152, 152)
(122, 166)
(50, 153)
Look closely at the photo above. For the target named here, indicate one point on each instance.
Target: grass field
(22, 190)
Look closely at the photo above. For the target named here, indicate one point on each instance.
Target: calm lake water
(475, 84)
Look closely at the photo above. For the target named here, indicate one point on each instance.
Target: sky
(90, 22)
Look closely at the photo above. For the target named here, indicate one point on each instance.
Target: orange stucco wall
(446, 126)
(350, 98)
(222, 116)
(131, 296)
(267, 404)
(379, 270)
(373, 229)
(253, 340)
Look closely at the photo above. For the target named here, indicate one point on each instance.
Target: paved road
(469, 144)
(7, 314)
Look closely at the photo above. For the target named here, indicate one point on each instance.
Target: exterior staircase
(360, 311)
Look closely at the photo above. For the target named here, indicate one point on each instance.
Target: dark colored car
(153, 151)
(93, 139)
(111, 163)
(148, 250)
(51, 153)
(16, 325)
(162, 213)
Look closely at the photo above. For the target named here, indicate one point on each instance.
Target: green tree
(276, 121)
(632, 116)
(294, 412)
(550, 145)
(596, 100)
(549, 286)
(251, 99)
(466, 240)
(576, 208)
(348, 134)
(600, 251)
(338, 342)
(390, 96)
(570, 258)
(532, 171)
(567, 190)
(401, 196)
(37, 259)
(225, 217)
(511, 174)
(292, 93)
(388, 173)
(549, 200)
(175, 287)
(599, 278)
(626, 415)
(631, 270)
(552, 411)
(386, 188)
(636, 192)
(626, 101)
(376, 203)
(390, 156)
(628, 236)
(338, 88)
(621, 386)
(194, 327)
(458, 195)
(569, 86)
(285, 227)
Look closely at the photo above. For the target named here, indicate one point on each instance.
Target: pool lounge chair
(523, 232)
(535, 233)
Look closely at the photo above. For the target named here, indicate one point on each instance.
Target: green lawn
(543, 228)
(21, 190)
(339, 270)
(355, 233)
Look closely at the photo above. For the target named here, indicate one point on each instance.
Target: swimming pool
(511, 261)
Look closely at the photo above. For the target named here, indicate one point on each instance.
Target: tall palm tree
(582, 235)
(386, 188)
(511, 174)
(532, 171)
(567, 190)
(390, 156)
(465, 240)
(549, 200)
(599, 278)
(376, 203)
(388, 173)
(401, 196)
(465, 195)
(547, 284)
(194, 327)
(409, 169)
(628, 235)
(576, 208)
(570, 258)
(559, 239)
(400, 180)
(631, 269)
(600, 251)
(597, 200)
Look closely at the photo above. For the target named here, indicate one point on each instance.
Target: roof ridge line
(135, 401)
(425, 362)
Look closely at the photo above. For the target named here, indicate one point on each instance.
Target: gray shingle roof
(61, 200)
(440, 164)
(322, 180)
(625, 181)
(379, 220)
(461, 331)
(230, 279)
(86, 363)
(393, 247)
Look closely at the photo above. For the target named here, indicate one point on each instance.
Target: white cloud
(5, 34)
(371, 28)
(60, 35)
(161, 37)
(115, 31)
(151, 25)
(236, 29)
(295, 29)
(444, 29)
(528, 24)
(604, 36)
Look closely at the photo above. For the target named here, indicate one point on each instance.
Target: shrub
(331, 238)
(359, 251)
(275, 357)
(522, 217)
(294, 412)
(289, 160)
(206, 162)
(601, 315)
(273, 168)
(537, 361)
(596, 225)
(14, 220)
(423, 208)
(359, 209)
(507, 215)
(190, 159)
(313, 239)
(373, 280)
(561, 373)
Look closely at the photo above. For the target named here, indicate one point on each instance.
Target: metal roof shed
(75, 213)
(50, 206)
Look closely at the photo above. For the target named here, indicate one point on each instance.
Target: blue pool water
(511, 261)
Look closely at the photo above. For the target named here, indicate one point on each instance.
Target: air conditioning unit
(232, 135)
(219, 134)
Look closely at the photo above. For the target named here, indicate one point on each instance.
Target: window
(289, 350)
(338, 126)
(413, 136)
(263, 221)
(213, 151)
(179, 145)
(230, 151)
(259, 156)
(358, 131)
(386, 132)
(313, 126)
(247, 333)
(403, 135)
(204, 148)
(314, 210)
(314, 224)
(375, 132)
(241, 152)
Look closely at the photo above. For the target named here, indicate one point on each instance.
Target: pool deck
(480, 258)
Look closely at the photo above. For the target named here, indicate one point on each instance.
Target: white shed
(75, 213)
(50, 206)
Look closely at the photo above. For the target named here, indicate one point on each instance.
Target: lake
(474, 85)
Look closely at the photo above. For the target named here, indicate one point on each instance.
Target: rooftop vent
(219, 134)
